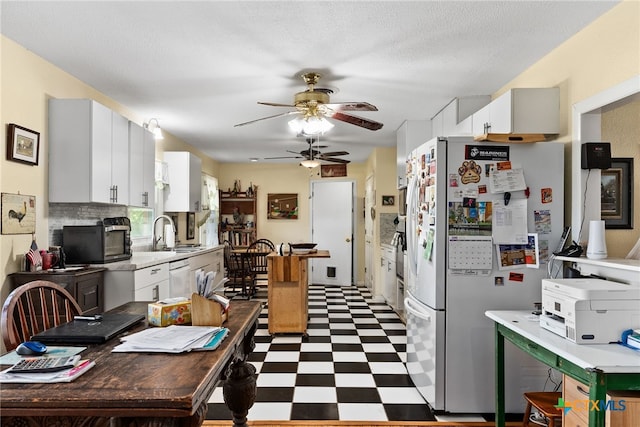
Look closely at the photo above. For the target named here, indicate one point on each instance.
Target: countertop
(148, 258)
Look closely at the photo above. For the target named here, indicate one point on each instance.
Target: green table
(601, 367)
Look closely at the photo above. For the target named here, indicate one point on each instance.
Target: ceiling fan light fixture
(313, 125)
(154, 127)
(310, 163)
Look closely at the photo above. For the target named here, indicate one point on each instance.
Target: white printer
(589, 311)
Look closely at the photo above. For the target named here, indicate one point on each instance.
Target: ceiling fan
(313, 108)
(313, 154)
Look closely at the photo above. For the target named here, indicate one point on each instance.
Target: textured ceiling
(201, 66)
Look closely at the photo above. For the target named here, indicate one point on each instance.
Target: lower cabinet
(145, 284)
(86, 286)
(627, 405)
(209, 261)
(574, 391)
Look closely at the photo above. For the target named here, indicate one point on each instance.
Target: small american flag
(34, 256)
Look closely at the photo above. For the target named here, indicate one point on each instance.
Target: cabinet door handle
(156, 293)
(145, 198)
(582, 390)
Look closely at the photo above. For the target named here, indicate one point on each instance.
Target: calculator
(44, 364)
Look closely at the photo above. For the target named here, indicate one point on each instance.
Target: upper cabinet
(409, 135)
(519, 115)
(88, 153)
(184, 190)
(142, 156)
(455, 117)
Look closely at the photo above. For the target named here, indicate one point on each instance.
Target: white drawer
(149, 275)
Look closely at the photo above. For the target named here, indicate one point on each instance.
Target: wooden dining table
(144, 389)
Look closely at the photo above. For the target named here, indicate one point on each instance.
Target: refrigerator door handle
(415, 310)
(412, 224)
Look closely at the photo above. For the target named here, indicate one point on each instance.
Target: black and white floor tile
(349, 367)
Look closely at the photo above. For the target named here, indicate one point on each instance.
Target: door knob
(347, 240)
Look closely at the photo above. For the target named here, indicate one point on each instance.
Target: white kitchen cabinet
(142, 157)
(88, 153)
(184, 190)
(388, 275)
(209, 261)
(455, 117)
(409, 135)
(520, 111)
(144, 284)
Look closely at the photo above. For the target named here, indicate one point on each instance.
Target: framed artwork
(282, 205)
(332, 171)
(191, 225)
(23, 145)
(18, 214)
(388, 200)
(616, 194)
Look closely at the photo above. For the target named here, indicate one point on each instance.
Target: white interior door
(332, 229)
(369, 233)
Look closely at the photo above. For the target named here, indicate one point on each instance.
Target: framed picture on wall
(23, 145)
(616, 194)
(191, 225)
(18, 214)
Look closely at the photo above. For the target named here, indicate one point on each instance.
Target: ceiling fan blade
(358, 121)
(335, 160)
(275, 104)
(285, 157)
(335, 153)
(265, 118)
(352, 106)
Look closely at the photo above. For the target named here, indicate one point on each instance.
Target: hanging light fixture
(310, 163)
(154, 127)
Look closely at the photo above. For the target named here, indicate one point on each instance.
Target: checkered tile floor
(349, 367)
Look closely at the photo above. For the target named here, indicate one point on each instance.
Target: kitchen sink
(151, 255)
(188, 248)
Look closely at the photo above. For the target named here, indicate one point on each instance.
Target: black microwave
(108, 241)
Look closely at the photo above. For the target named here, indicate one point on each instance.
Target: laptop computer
(89, 331)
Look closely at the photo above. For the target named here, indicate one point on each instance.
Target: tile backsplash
(387, 227)
(61, 214)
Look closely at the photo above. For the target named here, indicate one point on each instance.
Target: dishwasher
(179, 283)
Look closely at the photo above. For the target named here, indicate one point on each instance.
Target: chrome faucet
(163, 237)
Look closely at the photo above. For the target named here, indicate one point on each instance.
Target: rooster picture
(19, 215)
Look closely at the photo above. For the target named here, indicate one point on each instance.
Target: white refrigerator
(482, 219)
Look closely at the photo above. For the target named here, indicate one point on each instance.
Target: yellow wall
(602, 55)
(621, 127)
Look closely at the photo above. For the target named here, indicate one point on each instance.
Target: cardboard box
(169, 313)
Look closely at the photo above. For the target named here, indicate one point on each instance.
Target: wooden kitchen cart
(86, 285)
(288, 285)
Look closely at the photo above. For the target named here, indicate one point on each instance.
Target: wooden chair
(238, 273)
(257, 258)
(544, 402)
(35, 307)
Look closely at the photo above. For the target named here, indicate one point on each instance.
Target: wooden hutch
(239, 229)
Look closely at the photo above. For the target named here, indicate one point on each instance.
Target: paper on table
(172, 339)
